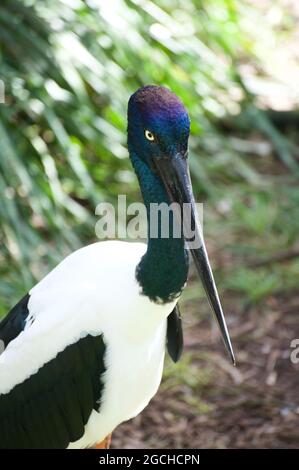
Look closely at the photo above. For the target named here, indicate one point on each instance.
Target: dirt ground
(204, 402)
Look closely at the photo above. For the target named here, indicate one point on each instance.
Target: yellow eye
(149, 135)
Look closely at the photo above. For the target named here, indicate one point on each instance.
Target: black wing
(51, 407)
(175, 340)
(14, 322)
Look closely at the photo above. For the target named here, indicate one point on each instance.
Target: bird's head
(158, 132)
(158, 124)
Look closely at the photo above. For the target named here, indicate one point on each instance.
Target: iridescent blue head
(158, 123)
(158, 132)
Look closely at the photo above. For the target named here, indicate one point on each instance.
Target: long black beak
(175, 175)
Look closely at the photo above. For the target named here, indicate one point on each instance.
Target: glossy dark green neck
(163, 270)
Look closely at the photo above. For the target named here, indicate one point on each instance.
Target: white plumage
(75, 299)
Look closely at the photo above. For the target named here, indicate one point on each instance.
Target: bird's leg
(105, 444)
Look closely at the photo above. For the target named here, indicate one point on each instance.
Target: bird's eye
(149, 135)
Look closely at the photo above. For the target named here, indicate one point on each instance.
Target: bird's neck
(163, 270)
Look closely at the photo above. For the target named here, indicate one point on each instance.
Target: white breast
(133, 376)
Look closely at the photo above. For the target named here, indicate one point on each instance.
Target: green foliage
(69, 67)
(253, 284)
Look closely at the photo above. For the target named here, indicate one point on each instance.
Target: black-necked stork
(84, 350)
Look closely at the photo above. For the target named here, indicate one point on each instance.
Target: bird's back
(81, 294)
(84, 323)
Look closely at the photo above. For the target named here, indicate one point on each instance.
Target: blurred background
(69, 67)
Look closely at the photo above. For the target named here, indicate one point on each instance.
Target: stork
(84, 349)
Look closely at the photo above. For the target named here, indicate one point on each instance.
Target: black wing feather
(14, 322)
(51, 407)
(175, 340)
